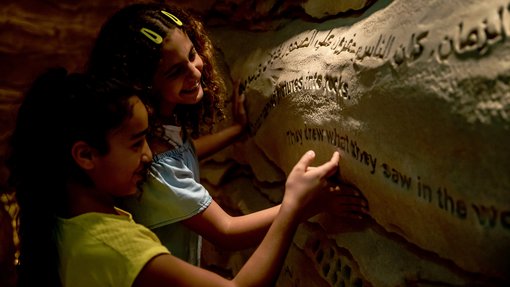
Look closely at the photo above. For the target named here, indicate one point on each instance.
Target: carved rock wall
(415, 95)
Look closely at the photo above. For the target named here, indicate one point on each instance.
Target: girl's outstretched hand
(313, 190)
(304, 182)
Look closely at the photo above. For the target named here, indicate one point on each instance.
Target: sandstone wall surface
(416, 97)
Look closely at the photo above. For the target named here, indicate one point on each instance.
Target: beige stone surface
(418, 104)
(416, 97)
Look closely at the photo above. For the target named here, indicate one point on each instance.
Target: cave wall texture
(414, 94)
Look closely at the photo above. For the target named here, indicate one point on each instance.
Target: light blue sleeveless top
(172, 193)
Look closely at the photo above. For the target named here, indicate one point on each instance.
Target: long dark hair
(122, 52)
(58, 110)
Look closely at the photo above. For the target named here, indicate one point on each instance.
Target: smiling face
(178, 77)
(120, 171)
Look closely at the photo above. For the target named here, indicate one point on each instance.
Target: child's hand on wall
(239, 111)
(305, 184)
(339, 199)
(344, 200)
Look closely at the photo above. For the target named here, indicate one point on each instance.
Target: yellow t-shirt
(98, 249)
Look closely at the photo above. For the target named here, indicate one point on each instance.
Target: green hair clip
(172, 17)
(155, 37)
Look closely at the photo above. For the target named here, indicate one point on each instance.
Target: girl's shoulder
(159, 146)
(166, 138)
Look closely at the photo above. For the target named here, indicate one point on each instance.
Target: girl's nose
(195, 70)
(147, 153)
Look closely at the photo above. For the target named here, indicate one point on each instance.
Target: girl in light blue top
(166, 52)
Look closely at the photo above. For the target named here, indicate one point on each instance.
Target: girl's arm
(209, 144)
(232, 232)
(263, 267)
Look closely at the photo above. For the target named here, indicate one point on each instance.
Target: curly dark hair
(58, 110)
(122, 52)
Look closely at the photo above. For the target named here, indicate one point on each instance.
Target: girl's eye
(181, 68)
(139, 144)
(175, 72)
(172, 74)
(192, 54)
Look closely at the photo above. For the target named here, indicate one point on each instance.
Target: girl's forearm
(264, 266)
(209, 144)
(249, 230)
(232, 232)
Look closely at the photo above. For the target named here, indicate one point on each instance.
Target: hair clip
(153, 36)
(172, 17)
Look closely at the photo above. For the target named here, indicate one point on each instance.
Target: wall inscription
(418, 104)
(436, 195)
(473, 38)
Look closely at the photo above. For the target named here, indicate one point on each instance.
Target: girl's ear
(82, 154)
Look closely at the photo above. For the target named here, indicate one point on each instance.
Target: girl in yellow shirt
(89, 140)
